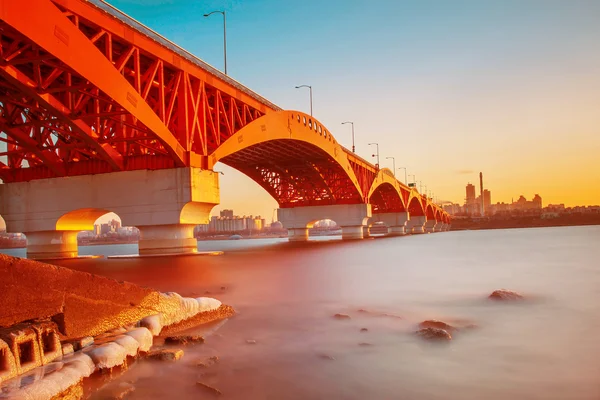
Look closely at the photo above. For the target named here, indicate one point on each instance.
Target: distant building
(471, 203)
(487, 200)
(226, 214)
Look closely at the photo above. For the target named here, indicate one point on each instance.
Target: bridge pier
(366, 231)
(350, 217)
(51, 244)
(396, 222)
(298, 234)
(167, 239)
(415, 224)
(430, 226)
(164, 204)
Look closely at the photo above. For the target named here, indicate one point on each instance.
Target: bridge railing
(143, 29)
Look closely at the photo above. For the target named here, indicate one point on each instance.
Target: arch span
(294, 158)
(386, 194)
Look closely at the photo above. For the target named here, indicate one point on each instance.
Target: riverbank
(458, 224)
(59, 327)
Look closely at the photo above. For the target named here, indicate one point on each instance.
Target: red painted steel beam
(50, 159)
(27, 86)
(50, 29)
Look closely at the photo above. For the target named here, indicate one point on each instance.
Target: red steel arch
(294, 158)
(387, 194)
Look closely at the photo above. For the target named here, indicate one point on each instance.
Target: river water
(547, 347)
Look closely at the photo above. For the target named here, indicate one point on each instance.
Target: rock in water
(341, 316)
(434, 334)
(364, 330)
(207, 362)
(166, 354)
(505, 295)
(184, 339)
(209, 388)
(432, 323)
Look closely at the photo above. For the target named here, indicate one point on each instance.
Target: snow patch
(207, 304)
(143, 336)
(108, 355)
(130, 345)
(153, 323)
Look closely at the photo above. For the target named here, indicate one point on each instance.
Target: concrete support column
(298, 234)
(167, 239)
(444, 227)
(352, 232)
(396, 231)
(51, 244)
(416, 224)
(430, 226)
(350, 217)
(395, 221)
(366, 231)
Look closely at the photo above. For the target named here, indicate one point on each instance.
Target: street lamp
(393, 164)
(310, 89)
(376, 155)
(405, 180)
(224, 35)
(414, 184)
(350, 122)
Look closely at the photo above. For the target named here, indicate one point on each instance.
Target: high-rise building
(226, 213)
(470, 201)
(487, 200)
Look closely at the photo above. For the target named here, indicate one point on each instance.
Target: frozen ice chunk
(142, 336)
(207, 304)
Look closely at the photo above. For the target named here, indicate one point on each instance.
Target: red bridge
(93, 101)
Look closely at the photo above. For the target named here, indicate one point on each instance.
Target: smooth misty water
(545, 348)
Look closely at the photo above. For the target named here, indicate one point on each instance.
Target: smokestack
(481, 191)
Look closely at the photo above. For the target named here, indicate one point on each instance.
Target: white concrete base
(199, 253)
(366, 232)
(167, 239)
(430, 226)
(415, 224)
(352, 232)
(396, 230)
(51, 244)
(298, 234)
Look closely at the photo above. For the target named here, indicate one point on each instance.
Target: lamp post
(224, 35)
(376, 155)
(393, 164)
(414, 181)
(310, 89)
(350, 122)
(405, 180)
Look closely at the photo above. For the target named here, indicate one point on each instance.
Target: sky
(510, 88)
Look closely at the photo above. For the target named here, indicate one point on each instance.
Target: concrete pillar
(298, 234)
(51, 244)
(164, 204)
(396, 222)
(430, 226)
(352, 232)
(350, 217)
(444, 227)
(366, 231)
(416, 224)
(167, 239)
(396, 231)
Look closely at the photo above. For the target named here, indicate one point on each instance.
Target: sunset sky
(449, 88)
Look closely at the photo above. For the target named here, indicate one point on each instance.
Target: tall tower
(481, 193)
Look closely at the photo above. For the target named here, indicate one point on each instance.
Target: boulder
(434, 334)
(432, 323)
(184, 339)
(505, 295)
(341, 316)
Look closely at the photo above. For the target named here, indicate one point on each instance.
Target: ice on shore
(108, 355)
(143, 336)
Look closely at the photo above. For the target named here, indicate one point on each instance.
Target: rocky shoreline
(48, 349)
